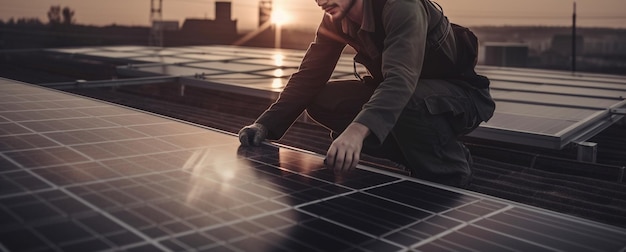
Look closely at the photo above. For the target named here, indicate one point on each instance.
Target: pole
(574, 40)
(156, 31)
(278, 35)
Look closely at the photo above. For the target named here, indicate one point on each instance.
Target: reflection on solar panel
(547, 109)
(84, 175)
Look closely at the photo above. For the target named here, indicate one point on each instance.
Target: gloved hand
(252, 135)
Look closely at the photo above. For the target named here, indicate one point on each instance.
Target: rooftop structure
(168, 173)
(547, 109)
(87, 175)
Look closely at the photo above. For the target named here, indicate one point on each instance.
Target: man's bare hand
(345, 152)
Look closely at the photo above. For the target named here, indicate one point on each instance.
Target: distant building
(562, 44)
(165, 25)
(505, 54)
(606, 45)
(264, 35)
(157, 31)
(221, 30)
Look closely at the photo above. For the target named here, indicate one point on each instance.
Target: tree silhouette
(29, 22)
(68, 16)
(56, 15)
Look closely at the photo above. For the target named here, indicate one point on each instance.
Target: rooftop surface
(86, 175)
(219, 94)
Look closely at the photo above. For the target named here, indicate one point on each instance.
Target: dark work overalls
(424, 137)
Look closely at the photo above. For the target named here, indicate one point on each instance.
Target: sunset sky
(305, 13)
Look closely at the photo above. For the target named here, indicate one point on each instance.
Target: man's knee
(430, 147)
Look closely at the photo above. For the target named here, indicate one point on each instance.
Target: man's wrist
(359, 129)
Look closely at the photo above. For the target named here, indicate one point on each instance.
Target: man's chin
(337, 16)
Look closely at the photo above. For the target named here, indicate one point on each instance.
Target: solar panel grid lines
(126, 226)
(548, 89)
(7, 164)
(554, 99)
(22, 182)
(476, 240)
(553, 76)
(570, 82)
(242, 60)
(547, 218)
(181, 187)
(530, 93)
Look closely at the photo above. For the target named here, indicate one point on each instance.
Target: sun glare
(278, 73)
(280, 17)
(277, 83)
(278, 59)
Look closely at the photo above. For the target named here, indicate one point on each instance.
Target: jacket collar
(367, 24)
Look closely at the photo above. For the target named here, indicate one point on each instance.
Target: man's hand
(252, 135)
(345, 152)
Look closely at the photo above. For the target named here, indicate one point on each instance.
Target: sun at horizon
(280, 17)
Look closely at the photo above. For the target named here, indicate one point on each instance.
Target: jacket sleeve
(406, 27)
(314, 72)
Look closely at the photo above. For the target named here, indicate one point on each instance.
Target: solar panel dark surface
(547, 109)
(86, 175)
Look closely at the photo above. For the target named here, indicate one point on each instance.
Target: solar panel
(527, 99)
(86, 175)
(588, 97)
(550, 74)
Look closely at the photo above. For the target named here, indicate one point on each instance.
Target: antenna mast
(156, 30)
(265, 11)
(574, 40)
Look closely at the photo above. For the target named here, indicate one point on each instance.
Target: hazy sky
(591, 13)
